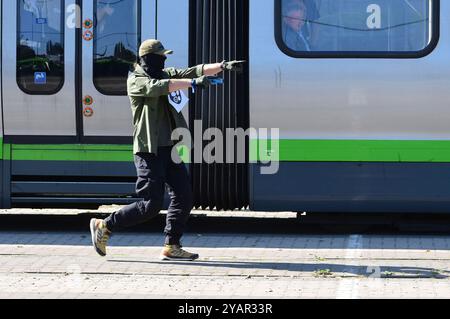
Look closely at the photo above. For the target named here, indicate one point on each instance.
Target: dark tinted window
(40, 47)
(116, 39)
(355, 25)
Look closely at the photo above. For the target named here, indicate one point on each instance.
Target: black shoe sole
(165, 258)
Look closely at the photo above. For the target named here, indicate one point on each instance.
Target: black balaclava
(153, 65)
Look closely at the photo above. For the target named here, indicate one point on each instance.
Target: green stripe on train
(350, 151)
(76, 152)
(289, 151)
(6, 152)
(3, 150)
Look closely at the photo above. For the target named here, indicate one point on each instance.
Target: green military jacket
(148, 99)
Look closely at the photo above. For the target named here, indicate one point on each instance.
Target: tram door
(65, 68)
(111, 34)
(38, 70)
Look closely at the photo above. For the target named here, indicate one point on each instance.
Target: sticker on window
(40, 78)
(41, 21)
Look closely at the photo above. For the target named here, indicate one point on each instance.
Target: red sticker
(88, 35)
(88, 112)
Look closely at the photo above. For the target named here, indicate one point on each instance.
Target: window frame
(63, 39)
(359, 54)
(94, 46)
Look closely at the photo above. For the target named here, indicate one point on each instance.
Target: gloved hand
(234, 66)
(201, 82)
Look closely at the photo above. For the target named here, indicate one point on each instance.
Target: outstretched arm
(212, 69)
(205, 69)
(208, 70)
(179, 84)
(216, 68)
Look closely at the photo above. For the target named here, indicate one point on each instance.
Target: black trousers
(154, 172)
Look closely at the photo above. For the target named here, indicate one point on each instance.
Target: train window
(40, 46)
(117, 35)
(357, 28)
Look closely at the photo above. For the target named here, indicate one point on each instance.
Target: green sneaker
(175, 252)
(100, 236)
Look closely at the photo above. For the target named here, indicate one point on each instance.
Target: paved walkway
(63, 265)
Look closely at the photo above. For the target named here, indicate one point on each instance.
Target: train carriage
(358, 89)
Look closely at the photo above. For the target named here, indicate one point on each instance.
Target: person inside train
(294, 20)
(310, 30)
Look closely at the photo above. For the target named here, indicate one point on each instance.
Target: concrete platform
(62, 264)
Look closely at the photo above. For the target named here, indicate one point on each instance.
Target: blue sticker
(41, 20)
(40, 78)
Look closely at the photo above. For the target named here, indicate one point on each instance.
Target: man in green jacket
(154, 120)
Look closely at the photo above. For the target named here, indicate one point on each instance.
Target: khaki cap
(153, 46)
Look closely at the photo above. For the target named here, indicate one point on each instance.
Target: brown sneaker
(100, 236)
(175, 252)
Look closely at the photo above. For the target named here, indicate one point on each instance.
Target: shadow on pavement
(329, 270)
